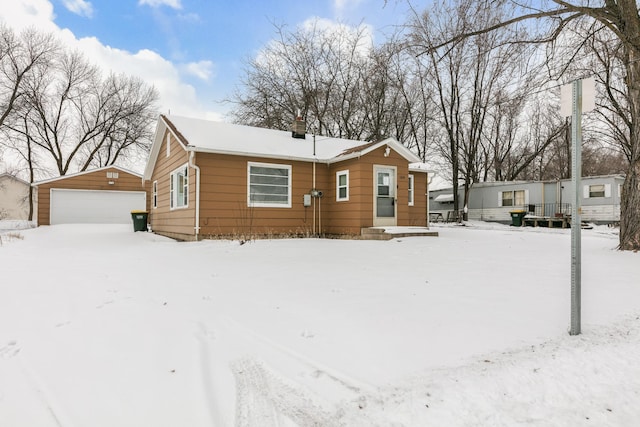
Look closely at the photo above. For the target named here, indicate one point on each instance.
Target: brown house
(100, 196)
(212, 179)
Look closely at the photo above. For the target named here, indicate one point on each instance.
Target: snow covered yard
(100, 326)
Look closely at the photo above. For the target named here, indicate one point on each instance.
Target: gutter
(192, 164)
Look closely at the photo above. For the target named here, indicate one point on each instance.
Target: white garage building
(100, 196)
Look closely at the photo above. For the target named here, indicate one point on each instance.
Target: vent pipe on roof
(298, 128)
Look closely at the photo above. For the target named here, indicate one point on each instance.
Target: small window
(179, 188)
(155, 194)
(596, 190)
(507, 198)
(342, 186)
(113, 175)
(513, 198)
(168, 145)
(268, 185)
(410, 190)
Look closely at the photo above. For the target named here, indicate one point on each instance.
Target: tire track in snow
(210, 371)
(262, 398)
(343, 380)
(34, 383)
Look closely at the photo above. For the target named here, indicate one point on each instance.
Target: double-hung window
(268, 185)
(179, 188)
(507, 198)
(513, 198)
(410, 190)
(342, 186)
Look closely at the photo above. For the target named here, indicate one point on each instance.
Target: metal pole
(576, 222)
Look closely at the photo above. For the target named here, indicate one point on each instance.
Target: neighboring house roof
(15, 178)
(511, 183)
(225, 138)
(444, 198)
(45, 181)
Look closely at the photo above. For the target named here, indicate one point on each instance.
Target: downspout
(429, 181)
(192, 164)
(314, 183)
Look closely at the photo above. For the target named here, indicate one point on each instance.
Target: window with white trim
(154, 187)
(513, 198)
(597, 190)
(179, 188)
(112, 175)
(268, 185)
(410, 181)
(342, 186)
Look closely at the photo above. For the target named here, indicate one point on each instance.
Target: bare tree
(332, 76)
(80, 120)
(21, 56)
(622, 19)
(470, 80)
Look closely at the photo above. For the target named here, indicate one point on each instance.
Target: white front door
(384, 196)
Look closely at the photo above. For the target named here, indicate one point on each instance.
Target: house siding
(224, 211)
(178, 222)
(96, 180)
(14, 198)
(418, 213)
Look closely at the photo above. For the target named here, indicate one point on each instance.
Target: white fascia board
(251, 154)
(392, 142)
(419, 169)
(158, 139)
(155, 148)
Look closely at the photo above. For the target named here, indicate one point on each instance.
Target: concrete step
(379, 233)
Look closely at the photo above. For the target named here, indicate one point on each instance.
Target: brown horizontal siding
(418, 214)
(89, 181)
(223, 198)
(178, 222)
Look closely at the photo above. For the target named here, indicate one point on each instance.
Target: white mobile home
(493, 201)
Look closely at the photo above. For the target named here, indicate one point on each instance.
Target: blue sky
(191, 50)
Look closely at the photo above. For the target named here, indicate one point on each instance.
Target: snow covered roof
(225, 138)
(444, 198)
(13, 177)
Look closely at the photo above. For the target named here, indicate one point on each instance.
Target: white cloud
(167, 77)
(79, 7)
(340, 6)
(29, 13)
(174, 4)
(202, 69)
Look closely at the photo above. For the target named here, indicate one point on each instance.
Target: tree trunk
(630, 202)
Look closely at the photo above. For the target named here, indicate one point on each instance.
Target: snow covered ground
(100, 326)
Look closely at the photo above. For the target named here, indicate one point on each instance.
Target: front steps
(388, 233)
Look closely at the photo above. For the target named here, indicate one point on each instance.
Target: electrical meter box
(306, 200)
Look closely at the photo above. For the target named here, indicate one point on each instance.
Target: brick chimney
(298, 128)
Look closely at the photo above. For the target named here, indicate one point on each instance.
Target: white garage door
(95, 207)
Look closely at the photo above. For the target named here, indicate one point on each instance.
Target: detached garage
(101, 196)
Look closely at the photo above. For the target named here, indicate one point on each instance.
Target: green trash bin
(516, 218)
(139, 220)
